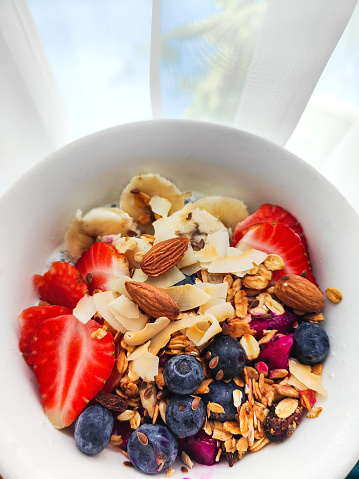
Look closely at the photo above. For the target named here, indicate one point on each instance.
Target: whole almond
(164, 255)
(152, 300)
(299, 293)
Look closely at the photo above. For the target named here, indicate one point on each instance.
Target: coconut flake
(102, 303)
(220, 240)
(196, 332)
(237, 263)
(187, 296)
(119, 286)
(163, 230)
(188, 259)
(148, 332)
(303, 373)
(85, 309)
(139, 275)
(138, 352)
(146, 366)
(125, 306)
(221, 311)
(160, 206)
(165, 280)
(192, 269)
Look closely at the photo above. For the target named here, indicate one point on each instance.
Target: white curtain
(71, 67)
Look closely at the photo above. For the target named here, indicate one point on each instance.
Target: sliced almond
(286, 407)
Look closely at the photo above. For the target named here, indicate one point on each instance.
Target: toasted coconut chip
(293, 381)
(187, 296)
(210, 304)
(146, 366)
(221, 311)
(85, 309)
(304, 375)
(220, 240)
(148, 332)
(162, 338)
(163, 230)
(165, 280)
(207, 254)
(119, 286)
(126, 307)
(138, 352)
(160, 206)
(139, 275)
(102, 303)
(214, 290)
(192, 269)
(237, 261)
(189, 258)
(196, 332)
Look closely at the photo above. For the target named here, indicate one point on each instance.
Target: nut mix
(153, 293)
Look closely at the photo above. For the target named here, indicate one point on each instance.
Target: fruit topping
(200, 447)
(183, 374)
(61, 285)
(93, 429)
(152, 448)
(30, 319)
(276, 351)
(101, 265)
(310, 343)
(225, 354)
(71, 365)
(185, 415)
(223, 394)
(282, 323)
(267, 213)
(280, 240)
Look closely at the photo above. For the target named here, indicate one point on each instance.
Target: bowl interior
(201, 157)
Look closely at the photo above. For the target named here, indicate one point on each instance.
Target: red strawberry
(70, 366)
(281, 240)
(101, 265)
(267, 213)
(62, 284)
(30, 319)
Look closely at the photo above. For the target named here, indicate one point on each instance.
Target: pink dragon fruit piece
(282, 323)
(200, 447)
(123, 429)
(276, 352)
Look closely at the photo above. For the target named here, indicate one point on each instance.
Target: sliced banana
(194, 223)
(83, 230)
(77, 240)
(145, 187)
(229, 211)
(108, 221)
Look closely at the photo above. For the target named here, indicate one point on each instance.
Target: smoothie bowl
(178, 299)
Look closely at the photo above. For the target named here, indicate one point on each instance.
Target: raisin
(277, 429)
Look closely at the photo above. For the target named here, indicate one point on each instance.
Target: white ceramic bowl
(211, 159)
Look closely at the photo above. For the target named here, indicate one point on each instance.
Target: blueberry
(183, 374)
(152, 448)
(222, 393)
(184, 415)
(188, 280)
(310, 343)
(93, 429)
(231, 357)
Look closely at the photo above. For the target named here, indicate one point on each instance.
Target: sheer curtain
(72, 67)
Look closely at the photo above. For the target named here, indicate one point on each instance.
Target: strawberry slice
(30, 319)
(101, 265)
(267, 213)
(281, 240)
(70, 366)
(62, 284)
